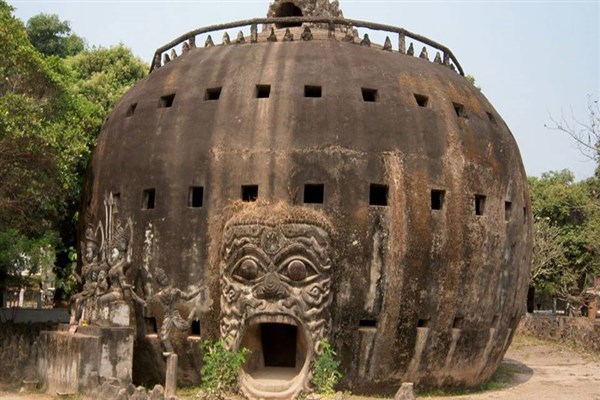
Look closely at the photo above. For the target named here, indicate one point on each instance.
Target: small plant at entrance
(221, 368)
(325, 370)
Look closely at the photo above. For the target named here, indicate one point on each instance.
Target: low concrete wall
(19, 349)
(579, 331)
(72, 362)
(34, 315)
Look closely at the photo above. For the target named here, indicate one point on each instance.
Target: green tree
(567, 222)
(31, 146)
(53, 37)
(51, 111)
(101, 76)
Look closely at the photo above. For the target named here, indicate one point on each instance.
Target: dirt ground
(531, 370)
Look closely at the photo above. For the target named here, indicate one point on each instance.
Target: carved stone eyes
(297, 271)
(248, 270)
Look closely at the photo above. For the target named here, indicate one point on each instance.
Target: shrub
(221, 368)
(325, 370)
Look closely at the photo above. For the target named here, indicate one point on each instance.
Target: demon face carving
(275, 281)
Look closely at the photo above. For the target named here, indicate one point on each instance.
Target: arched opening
(288, 9)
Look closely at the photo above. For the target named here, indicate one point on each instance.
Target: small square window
(196, 197)
(370, 95)
(314, 193)
(150, 323)
(422, 101)
(367, 323)
(460, 111)
(507, 210)
(437, 199)
(378, 195)
(149, 201)
(166, 101)
(249, 193)
(458, 323)
(423, 323)
(213, 94)
(263, 91)
(313, 91)
(479, 204)
(195, 328)
(131, 110)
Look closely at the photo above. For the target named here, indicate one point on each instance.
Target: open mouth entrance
(278, 353)
(279, 345)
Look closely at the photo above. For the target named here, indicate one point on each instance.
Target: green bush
(325, 370)
(221, 368)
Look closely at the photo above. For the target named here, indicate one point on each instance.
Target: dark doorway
(279, 345)
(288, 10)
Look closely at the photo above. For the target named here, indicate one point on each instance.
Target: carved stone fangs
(366, 41)
(446, 59)
(240, 38)
(288, 37)
(438, 58)
(272, 37)
(307, 34)
(226, 39)
(192, 42)
(166, 58)
(387, 46)
(411, 50)
(173, 54)
(157, 62)
(424, 54)
(185, 47)
(209, 42)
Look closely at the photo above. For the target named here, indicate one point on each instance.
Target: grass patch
(502, 378)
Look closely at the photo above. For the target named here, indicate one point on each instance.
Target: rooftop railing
(443, 57)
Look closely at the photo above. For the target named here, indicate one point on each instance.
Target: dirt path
(544, 371)
(531, 370)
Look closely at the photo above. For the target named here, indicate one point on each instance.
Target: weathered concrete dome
(392, 185)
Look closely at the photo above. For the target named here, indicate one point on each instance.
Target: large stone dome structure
(320, 187)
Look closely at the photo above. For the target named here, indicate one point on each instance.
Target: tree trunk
(531, 299)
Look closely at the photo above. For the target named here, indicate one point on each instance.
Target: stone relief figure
(89, 273)
(105, 263)
(119, 259)
(169, 298)
(276, 268)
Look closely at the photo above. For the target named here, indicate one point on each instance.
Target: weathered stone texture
(422, 183)
(77, 362)
(18, 351)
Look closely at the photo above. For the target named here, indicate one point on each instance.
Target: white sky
(533, 59)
